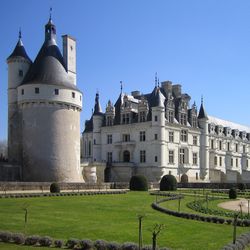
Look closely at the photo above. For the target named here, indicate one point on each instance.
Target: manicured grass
(109, 217)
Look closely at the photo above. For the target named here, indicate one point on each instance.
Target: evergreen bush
(54, 188)
(58, 243)
(18, 238)
(242, 186)
(168, 183)
(138, 183)
(232, 193)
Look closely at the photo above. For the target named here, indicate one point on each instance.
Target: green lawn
(109, 217)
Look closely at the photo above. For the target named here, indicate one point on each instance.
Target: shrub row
(214, 219)
(29, 195)
(241, 242)
(198, 207)
(85, 244)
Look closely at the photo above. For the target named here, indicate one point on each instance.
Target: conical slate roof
(19, 51)
(97, 109)
(202, 112)
(49, 66)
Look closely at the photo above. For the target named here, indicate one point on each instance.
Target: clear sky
(203, 45)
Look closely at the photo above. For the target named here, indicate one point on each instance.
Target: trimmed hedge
(168, 183)
(232, 193)
(138, 183)
(54, 188)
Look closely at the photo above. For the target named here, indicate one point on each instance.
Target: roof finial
(50, 13)
(158, 83)
(202, 99)
(20, 33)
(155, 79)
(121, 86)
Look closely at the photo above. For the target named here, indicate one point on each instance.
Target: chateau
(44, 106)
(160, 133)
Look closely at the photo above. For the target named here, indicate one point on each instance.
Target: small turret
(97, 108)
(202, 112)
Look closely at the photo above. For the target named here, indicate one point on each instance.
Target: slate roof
(19, 51)
(202, 112)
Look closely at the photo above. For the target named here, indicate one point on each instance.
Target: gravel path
(235, 205)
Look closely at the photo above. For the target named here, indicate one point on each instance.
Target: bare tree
(157, 229)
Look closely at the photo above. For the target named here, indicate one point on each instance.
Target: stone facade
(44, 107)
(159, 133)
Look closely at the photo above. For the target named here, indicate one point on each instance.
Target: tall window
(220, 145)
(156, 158)
(125, 118)
(156, 118)
(195, 159)
(194, 122)
(22, 91)
(37, 90)
(109, 157)
(232, 162)
(244, 149)
(183, 119)
(90, 148)
(182, 156)
(171, 156)
(171, 116)
(156, 136)
(236, 162)
(247, 163)
(195, 140)
(220, 161)
(142, 156)
(109, 121)
(142, 136)
(184, 135)
(73, 94)
(212, 144)
(215, 161)
(228, 146)
(142, 116)
(126, 137)
(56, 91)
(236, 147)
(171, 136)
(109, 139)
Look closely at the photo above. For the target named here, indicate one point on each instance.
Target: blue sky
(203, 45)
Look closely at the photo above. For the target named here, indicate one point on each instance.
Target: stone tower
(49, 105)
(18, 65)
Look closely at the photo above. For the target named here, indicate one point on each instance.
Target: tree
(156, 230)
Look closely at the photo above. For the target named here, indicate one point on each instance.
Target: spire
(121, 86)
(156, 79)
(19, 50)
(50, 29)
(202, 112)
(97, 108)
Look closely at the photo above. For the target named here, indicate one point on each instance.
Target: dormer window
(142, 116)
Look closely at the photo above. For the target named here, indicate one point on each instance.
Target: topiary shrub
(100, 245)
(5, 236)
(32, 240)
(129, 246)
(138, 183)
(232, 193)
(242, 186)
(58, 243)
(86, 244)
(168, 183)
(18, 238)
(45, 241)
(113, 246)
(55, 188)
(72, 243)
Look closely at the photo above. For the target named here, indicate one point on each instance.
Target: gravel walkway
(235, 205)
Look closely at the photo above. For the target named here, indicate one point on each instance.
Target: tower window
(22, 91)
(56, 91)
(142, 156)
(156, 136)
(37, 90)
(73, 94)
(20, 73)
(156, 158)
(156, 118)
(171, 136)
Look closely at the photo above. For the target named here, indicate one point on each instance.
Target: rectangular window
(215, 161)
(236, 162)
(220, 145)
(171, 116)
(171, 156)
(73, 94)
(247, 163)
(126, 137)
(22, 91)
(36, 90)
(156, 158)
(109, 139)
(184, 135)
(183, 119)
(220, 161)
(109, 157)
(156, 136)
(244, 149)
(125, 118)
(212, 144)
(142, 156)
(109, 121)
(232, 162)
(195, 159)
(228, 146)
(182, 156)
(195, 140)
(20, 73)
(142, 136)
(142, 116)
(156, 118)
(236, 147)
(56, 91)
(171, 136)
